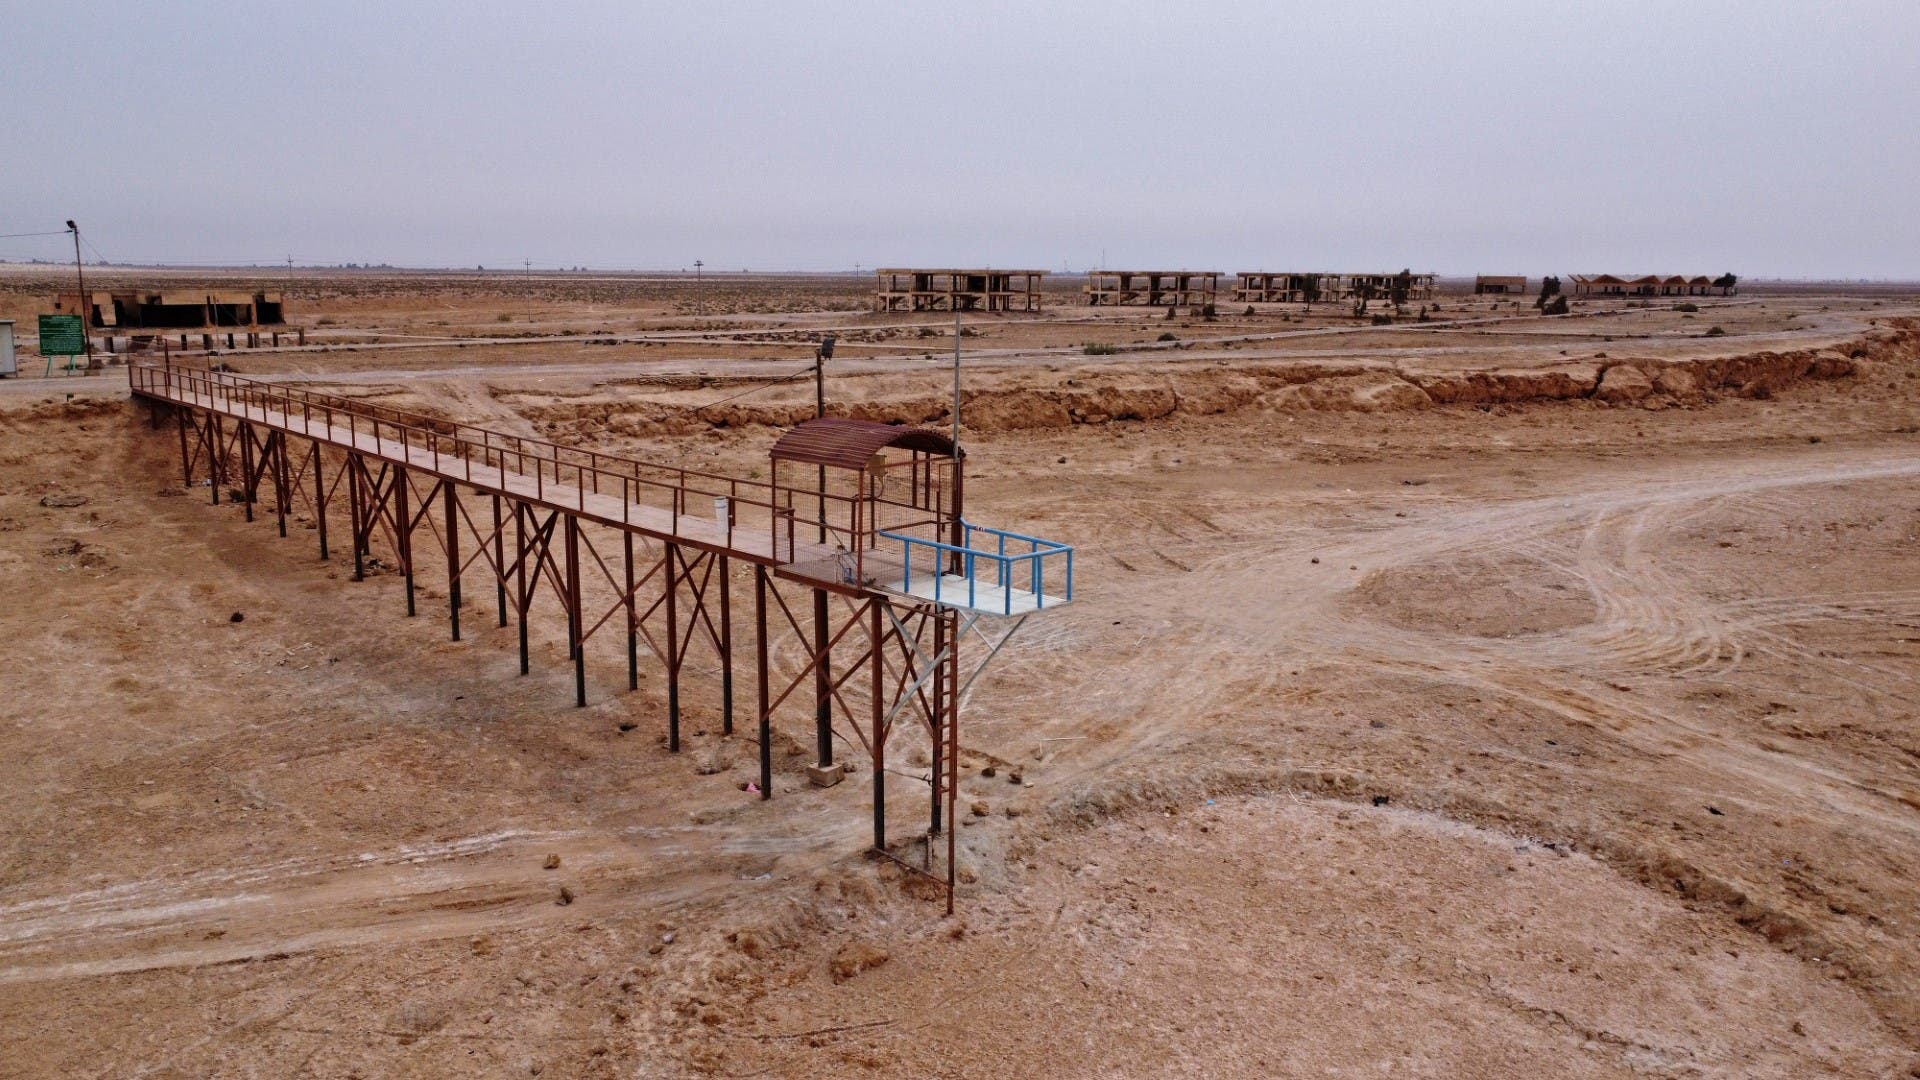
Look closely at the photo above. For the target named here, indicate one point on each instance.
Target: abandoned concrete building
(919, 289)
(1381, 286)
(1260, 287)
(1152, 288)
(1500, 285)
(195, 309)
(145, 318)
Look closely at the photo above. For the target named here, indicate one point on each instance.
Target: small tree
(1401, 288)
(1362, 292)
(1549, 288)
(1725, 283)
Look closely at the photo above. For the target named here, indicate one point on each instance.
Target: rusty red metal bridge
(862, 519)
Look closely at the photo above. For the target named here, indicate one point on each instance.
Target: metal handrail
(547, 463)
(1039, 551)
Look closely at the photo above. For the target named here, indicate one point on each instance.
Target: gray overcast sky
(1770, 138)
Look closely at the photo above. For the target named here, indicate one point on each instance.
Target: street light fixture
(86, 307)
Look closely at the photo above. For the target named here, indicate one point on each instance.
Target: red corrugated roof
(849, 444)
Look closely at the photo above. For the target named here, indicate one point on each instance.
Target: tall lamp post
(86, 306)
(822, 354)
(956, 381)
(823, 673)
(958, 533)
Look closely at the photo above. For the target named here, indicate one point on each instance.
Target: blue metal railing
(1040, 557)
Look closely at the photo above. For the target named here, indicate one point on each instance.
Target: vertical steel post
(673, 648)
(760, 648)
(403, 531)
(354, 513)
(453, 556)
(279, 459)
(822, 681)
(953, 744)
(522, 600)
(879, 736)
(499, 559)
(186, 459)
(574, 624)
(216, 469)
(633, 623)
(938, 731)
(726, 646)
(320, 497)
(246, 467)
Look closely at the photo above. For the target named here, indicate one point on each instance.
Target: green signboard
(62, 335)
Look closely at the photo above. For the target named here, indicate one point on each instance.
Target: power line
(808, 370)
(18, 235)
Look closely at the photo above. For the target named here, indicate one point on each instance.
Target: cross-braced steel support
(865, 657)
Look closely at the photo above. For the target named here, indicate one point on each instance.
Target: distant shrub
(1207, 311)
(1168, 336)
(503, 317)
(1686, 307)
(1715, 331)
(1382, 319)
(1249, 310)
(1099, 348)
(1557, 305)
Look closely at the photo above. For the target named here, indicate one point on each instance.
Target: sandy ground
(1435, 703)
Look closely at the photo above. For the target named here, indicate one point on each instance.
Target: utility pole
(823, 673)
(86, 303)
(956, 564)
(956, 381)
(820, 357)
(528, 263)
(289, 278)
(697, 264)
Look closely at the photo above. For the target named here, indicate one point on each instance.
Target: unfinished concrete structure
(1648, 285)
(195, 309)
(1296, 287)
(1500, 285)
(1381, 286)
(1152, 288)
(920, 289)
(146, 318)
(1261, 287)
